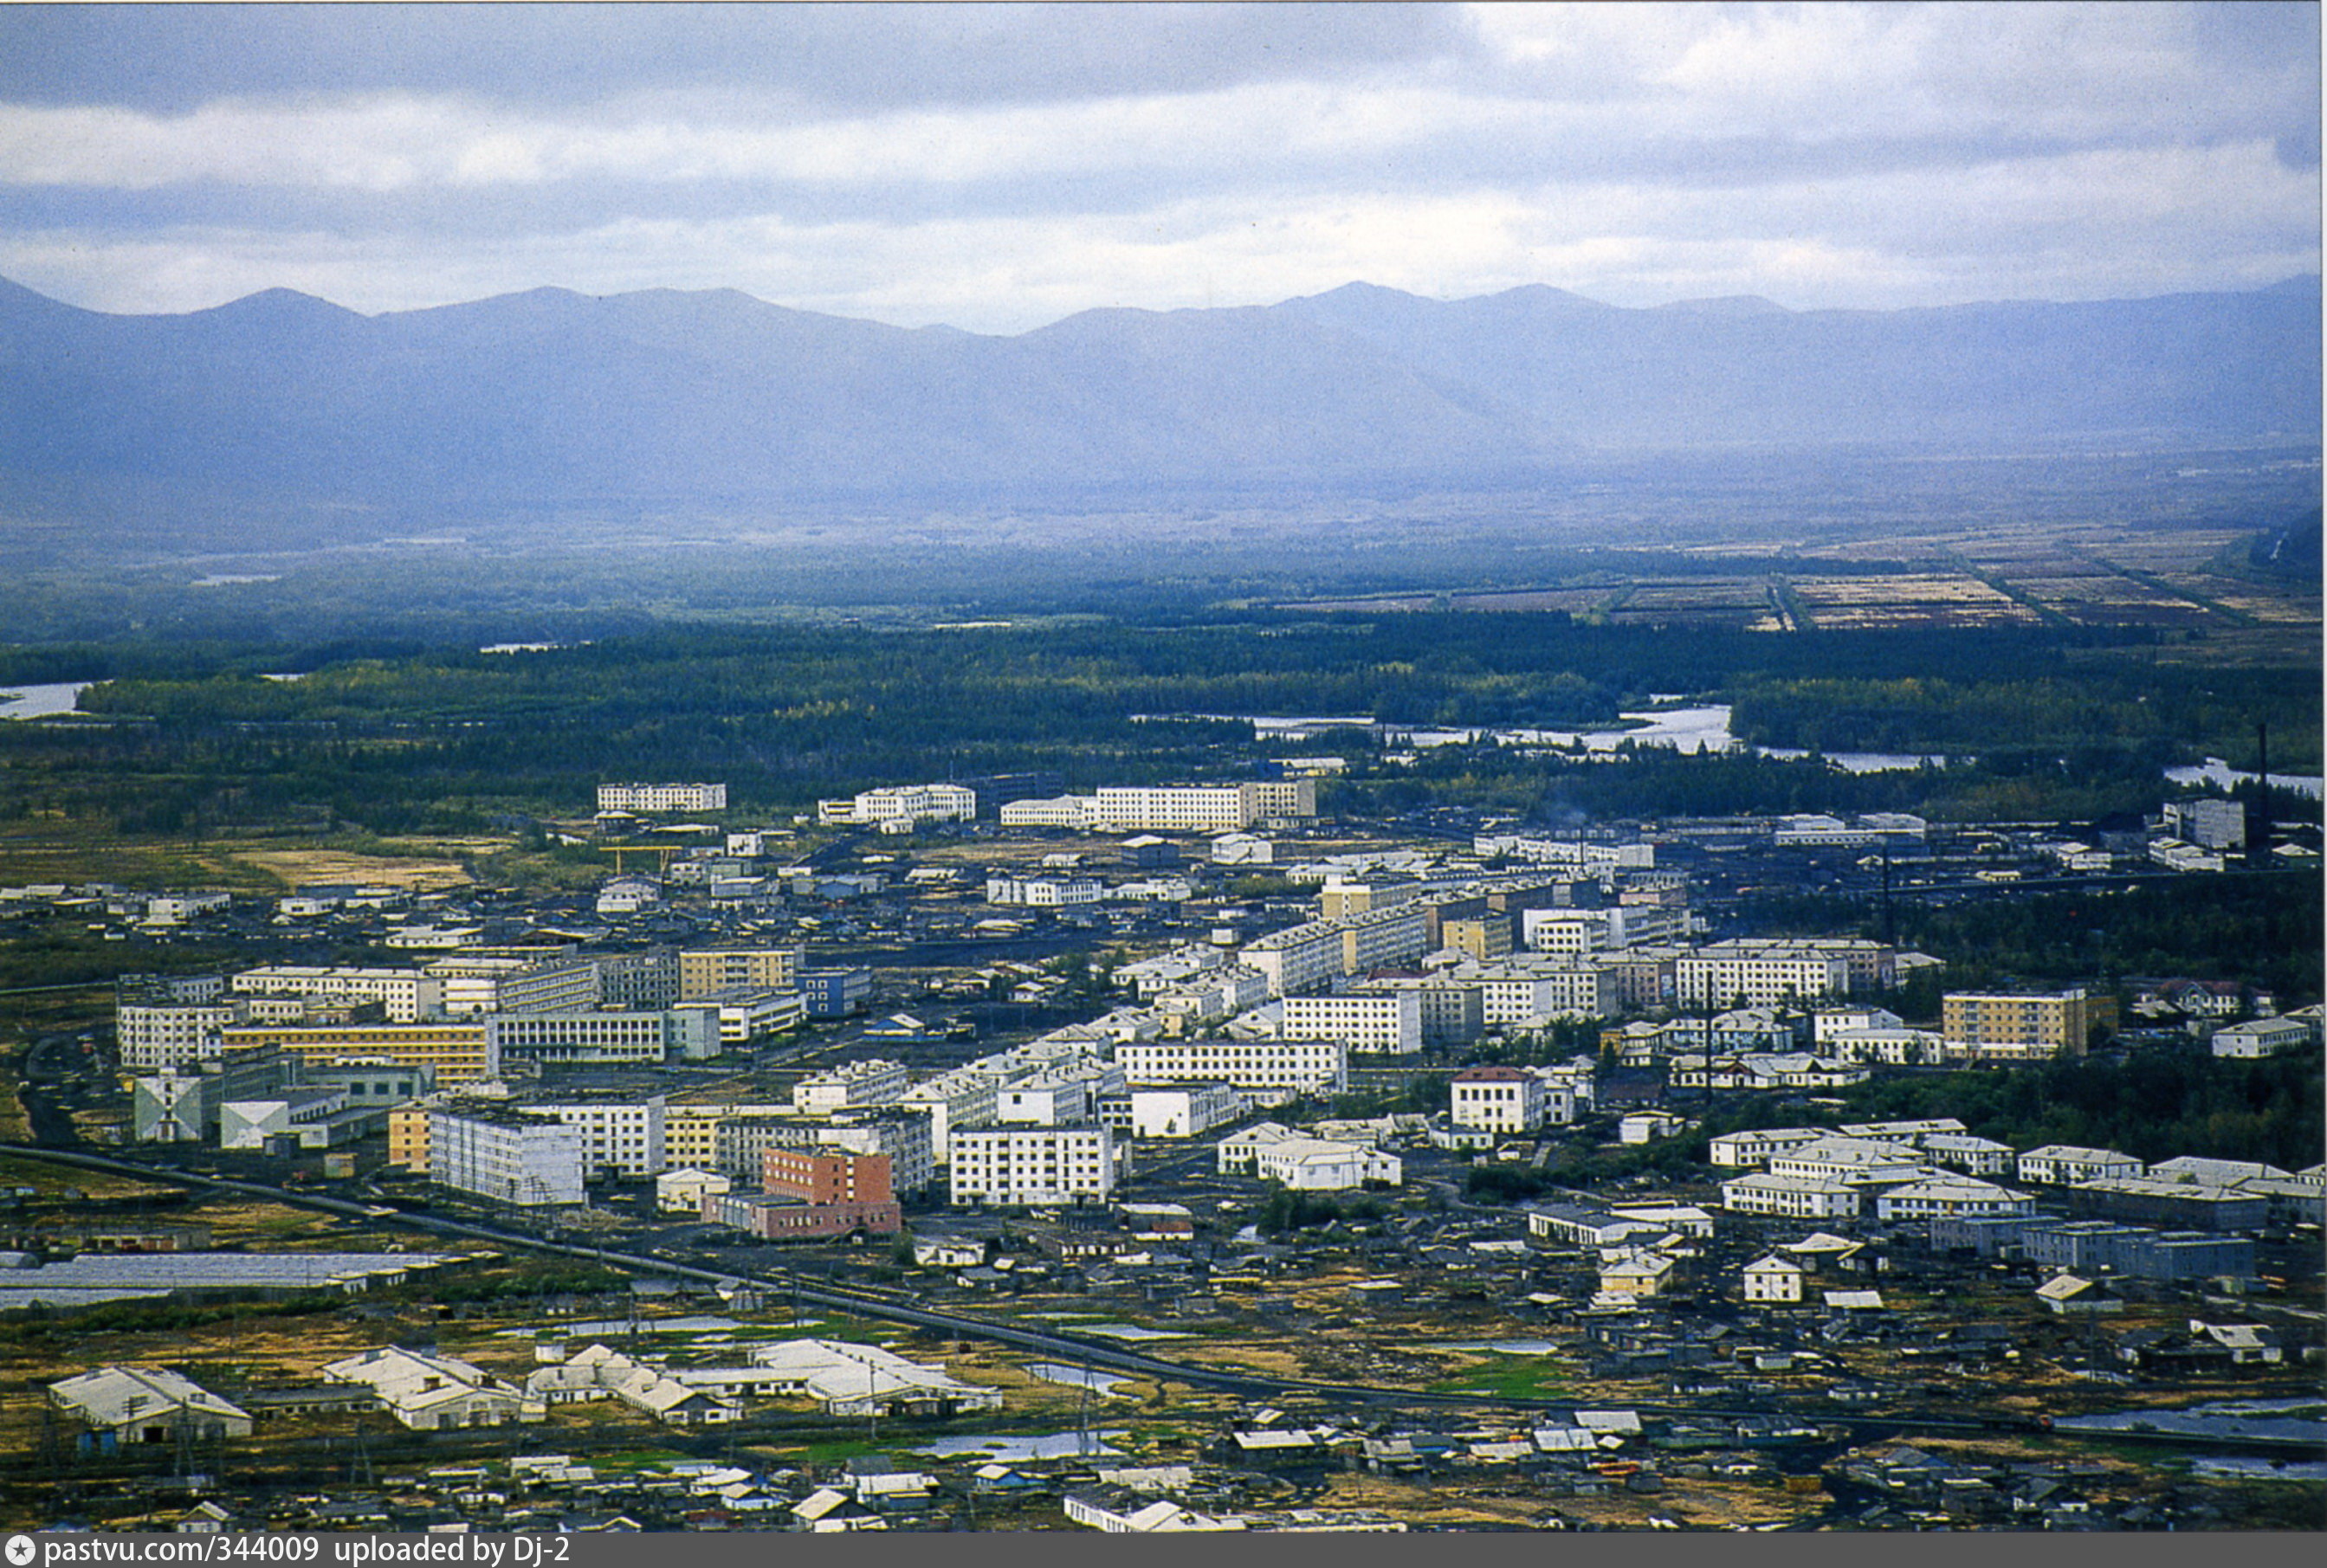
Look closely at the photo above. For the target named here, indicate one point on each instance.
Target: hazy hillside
(715, 398)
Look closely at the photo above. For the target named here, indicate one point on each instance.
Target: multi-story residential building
(1522, 991)
(1298, 959)
(1186, 1112)
(1639, 977)
(826, 1175)
(900, 809)
(1282, 1069)
(509, 1155)
(835, 992)
(1736, 1149)
(774, 1217)
(485, 983)
(1989, 1026)
(1202, 807)
(746, 1013)
(459, 1054)
(2063, 1164)
(1453, 1013)
(662, 796)
(1385, 939)
(962, 1097)
(704, 971)
(1369, 1025)
(625, 1135)
(1498, 1099)
(407, 996)
(1949, 1197)
(1858, 1161)
(644, 981)
(600, 1039)
(166, 1034)
(1972, 1156)
(871, 1081)
(690, 1132)
(1046, 1167)
(1717, 974)
(1790, 1196)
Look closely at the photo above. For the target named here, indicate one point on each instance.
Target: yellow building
(1987, 1026)
(736, 969)
(460, 1053)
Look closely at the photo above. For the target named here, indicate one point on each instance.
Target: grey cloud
(168, 59)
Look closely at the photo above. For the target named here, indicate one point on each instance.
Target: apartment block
(662, 796)
(704, 971)
(1987, 1026)
(1283, 1068)
(1367, 1025)
(602, 1039)
(1047, 1167)
(407, 996)
(459, 1053)
(507, 1155)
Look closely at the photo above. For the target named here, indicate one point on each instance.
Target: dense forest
(397, 739)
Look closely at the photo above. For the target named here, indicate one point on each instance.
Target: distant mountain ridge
(715, 398)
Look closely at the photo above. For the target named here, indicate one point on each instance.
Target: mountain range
(716, 398)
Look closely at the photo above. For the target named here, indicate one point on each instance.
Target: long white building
(407, 996)
(662, 796)
(1379, 1025)
(900, 809)
(1717, 974)
(1279, 1068)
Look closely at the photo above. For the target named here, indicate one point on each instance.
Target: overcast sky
(997, 168)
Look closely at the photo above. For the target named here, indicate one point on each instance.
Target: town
(977, 1154)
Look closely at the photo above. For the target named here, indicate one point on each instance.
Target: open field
(301, 867)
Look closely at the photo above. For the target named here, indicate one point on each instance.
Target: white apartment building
(662, 796)
(1950, 1197)
(1044, 1101)
(634, 1039)
(1754, 1148)
(616, 1134)
(164, 1035)
(746, 1013)
(964, 1097)
(1277, 1068)
(1790, 1196)
(1077, 813)
(486, 983)
(1382, 1025)
(407, 996)
(1206, 808)
(1298, 959)
(2065, 1164)
(1522, 993)
(900, 809)
(870, 1082)
(1042, 1167)
(1572, 933)
(1856, 1160)
(1715, 975)
(505, 1154)
(1183, 1113)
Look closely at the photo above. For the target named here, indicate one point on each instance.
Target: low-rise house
(431, 1393)
(867, 1380)
(1119, 1512)
(681, 1192)
(597, 1372)
(1774, 1280)
(133, 1404)
(2064, 1164)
